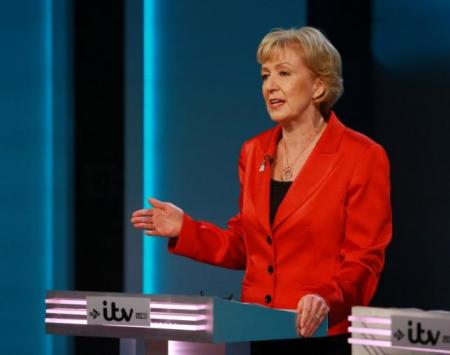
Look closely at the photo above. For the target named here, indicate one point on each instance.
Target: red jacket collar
(321, 162)
(328, 143)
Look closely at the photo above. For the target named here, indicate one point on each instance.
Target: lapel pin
(262, 166)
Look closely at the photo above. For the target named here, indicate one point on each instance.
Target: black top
(278, 190)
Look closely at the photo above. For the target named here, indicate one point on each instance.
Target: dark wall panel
(347, 24)
(98, 59)
(411, 47)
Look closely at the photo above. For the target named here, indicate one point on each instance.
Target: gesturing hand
(164, 219)
(311, 311)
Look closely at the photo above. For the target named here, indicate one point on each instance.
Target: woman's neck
(297, 132)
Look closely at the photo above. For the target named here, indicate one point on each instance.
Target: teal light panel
(150, 144)
(35, 186)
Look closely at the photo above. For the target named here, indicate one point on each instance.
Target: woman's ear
(319, 89)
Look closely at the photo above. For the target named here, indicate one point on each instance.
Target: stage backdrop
(411, 49)
(35, 178)
(201, 100)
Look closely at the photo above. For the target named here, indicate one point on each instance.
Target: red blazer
(329, 234)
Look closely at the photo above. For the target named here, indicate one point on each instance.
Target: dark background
(403, 106)
(99, 158)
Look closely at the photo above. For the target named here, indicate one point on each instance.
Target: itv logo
(134, 311)
(425, 331)
(418, 335)
(116, 314)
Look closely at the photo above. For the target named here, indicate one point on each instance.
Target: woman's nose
(270, 84)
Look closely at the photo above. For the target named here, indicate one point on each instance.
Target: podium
(399, 331)
(203, 324)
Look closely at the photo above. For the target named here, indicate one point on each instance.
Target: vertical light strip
(149, 260)
(48, 144)
(48, 155)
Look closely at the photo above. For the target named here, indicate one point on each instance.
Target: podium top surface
(166, 317)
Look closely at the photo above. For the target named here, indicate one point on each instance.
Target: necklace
(286, 174)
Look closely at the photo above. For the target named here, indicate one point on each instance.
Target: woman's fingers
(163, 219)
(312, 310)
(315, 316)
(315, 320)
(143, 218)
(143, 226)
(300, 312)
(305, 311)
(143, 212)
(142, 221)
(149, 221)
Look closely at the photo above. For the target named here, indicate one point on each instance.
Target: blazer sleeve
(208, 243)
(368, 231)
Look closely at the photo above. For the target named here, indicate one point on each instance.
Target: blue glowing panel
(150, 145)
(25, 195)
(32, 157)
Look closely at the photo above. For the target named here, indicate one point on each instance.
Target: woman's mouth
(276, 103)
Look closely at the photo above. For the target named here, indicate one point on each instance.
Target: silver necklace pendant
(287, 174)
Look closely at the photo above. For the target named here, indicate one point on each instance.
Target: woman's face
(288, 86)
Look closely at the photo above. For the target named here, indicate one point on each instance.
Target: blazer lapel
(261, 193)
(319, 165)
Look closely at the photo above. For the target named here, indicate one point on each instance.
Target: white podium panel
(168, 324)
(394, 331)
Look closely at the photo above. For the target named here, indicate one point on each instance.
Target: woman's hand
(311, 311)
(164, 219)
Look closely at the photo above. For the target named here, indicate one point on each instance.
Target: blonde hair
(319, 55)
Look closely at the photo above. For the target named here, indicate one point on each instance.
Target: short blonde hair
(319, 55)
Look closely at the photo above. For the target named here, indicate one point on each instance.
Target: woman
(315, 214)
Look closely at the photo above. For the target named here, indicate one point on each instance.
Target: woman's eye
(284, 73)
(264, 77)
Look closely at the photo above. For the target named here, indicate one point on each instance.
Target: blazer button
(267, 298)
(269, 240)
(270, 269)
